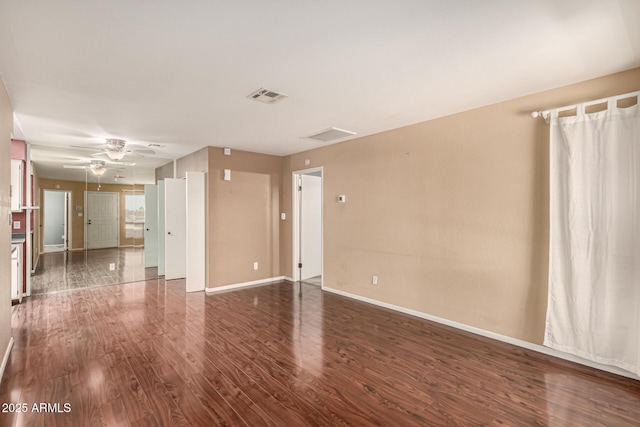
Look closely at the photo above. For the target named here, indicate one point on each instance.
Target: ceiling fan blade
(145, 151)
(74, 167)
(89, 147)
(119, 163)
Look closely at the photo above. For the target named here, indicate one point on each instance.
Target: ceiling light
(97, 167)
(115, 144)
(116, 155)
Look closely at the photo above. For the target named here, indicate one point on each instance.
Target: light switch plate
(16, 225)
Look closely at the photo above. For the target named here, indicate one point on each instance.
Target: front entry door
(102, 220)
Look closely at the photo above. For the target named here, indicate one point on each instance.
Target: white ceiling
(178, 73)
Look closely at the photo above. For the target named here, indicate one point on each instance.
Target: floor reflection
(569, 400)
(307, 335)
(62, 271)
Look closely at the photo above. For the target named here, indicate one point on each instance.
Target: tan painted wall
(77, 194)
(450, 214)
(164, 171)
(243, 217)
(198, 161)
(6, 127)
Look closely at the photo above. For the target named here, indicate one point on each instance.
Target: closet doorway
(307, 217)
(56, 217)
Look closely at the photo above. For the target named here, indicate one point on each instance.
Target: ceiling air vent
(267, 96)
(330, 134)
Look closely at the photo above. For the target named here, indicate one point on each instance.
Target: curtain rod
(546, 114)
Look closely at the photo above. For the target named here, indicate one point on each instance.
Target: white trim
(288, 279)
(243, 285)
(5, 360)
(499, 337)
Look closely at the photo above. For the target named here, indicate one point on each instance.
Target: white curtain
(594, 261)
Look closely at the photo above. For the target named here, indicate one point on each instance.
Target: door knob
(168, 232)
(147, 229)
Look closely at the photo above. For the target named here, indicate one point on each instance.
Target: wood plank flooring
(147, 354)
(67, 270)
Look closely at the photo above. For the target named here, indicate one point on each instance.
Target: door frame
(86, 209)
(68, 217)
(295, 209)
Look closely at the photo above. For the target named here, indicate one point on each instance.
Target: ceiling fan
(96, 167)
(116, 149)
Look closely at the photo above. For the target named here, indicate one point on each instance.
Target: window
(134, 216)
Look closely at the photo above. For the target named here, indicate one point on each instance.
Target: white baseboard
(5, 359)
(288, 279)
(243, 285)
(509, 340)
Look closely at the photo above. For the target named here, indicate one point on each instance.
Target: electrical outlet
(374, 280)
(16, 225)
(112, 266)
(255, 265)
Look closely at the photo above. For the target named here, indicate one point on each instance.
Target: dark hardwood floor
(67, 270)
(149, 354)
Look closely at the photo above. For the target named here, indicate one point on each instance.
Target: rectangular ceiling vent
(330, 134)
(267, 96)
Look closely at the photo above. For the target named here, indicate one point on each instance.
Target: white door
(102, 219)
(311, 226)
(161, 224)
(54, 219)
(150, 225)
(68, 209)
(196, 232)
(175, 217)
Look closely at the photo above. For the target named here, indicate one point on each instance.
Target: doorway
(102, 224)
(307, 233)
(56, 217)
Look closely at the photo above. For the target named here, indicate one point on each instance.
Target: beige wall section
(451, 214)
(6, 127)
(164, 171)
(198, 161)
(77, 189)
(243, 217)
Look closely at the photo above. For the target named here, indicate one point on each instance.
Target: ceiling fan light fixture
(116, 155)
(98, 171)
